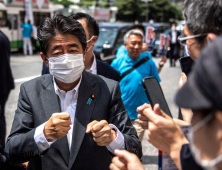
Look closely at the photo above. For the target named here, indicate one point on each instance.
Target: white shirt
(35, 32)
(93, 68)
(68, 102)
(174, 37)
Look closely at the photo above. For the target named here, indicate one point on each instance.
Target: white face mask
(67, 68)
(207, 165)
(88, 42)
(173, 28)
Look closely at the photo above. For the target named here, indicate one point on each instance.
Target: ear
(211, 37)
(44, 59)
(94, 40)
(125, 44)
(218, 116)
(84, 54)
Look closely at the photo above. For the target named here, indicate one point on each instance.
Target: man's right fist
(57, 126)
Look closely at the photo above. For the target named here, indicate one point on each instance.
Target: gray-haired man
(133, 94)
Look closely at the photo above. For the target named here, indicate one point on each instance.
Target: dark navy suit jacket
(103, 69)
(187, 160)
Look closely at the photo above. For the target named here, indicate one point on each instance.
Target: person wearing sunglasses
(203, 25)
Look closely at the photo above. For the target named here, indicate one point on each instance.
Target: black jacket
(177, 42)
(5, 165)
(103, 69)
(187, 160)
(7, 82)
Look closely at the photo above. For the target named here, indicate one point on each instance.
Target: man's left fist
(103, 135)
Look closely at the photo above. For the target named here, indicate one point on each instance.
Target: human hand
(143, 120)
(103, 135)
(25, 165)
(57, 126)
(183, 80)
(125, 160)
(181, 122)
(162, 61)
(144, 47)
(164, 133)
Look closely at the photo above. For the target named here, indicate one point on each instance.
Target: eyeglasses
(183, 39)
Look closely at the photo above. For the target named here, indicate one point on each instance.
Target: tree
(159, 10)
(65, 3)
(130, 10)
(164, 11)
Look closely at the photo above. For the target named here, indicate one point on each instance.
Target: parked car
(111, 37)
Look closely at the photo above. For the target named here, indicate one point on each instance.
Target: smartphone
(155, 94)
(186, 64)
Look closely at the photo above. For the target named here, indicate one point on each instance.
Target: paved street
(25, 68)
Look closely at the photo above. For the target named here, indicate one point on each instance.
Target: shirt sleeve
(40, 139)
(118, 143)
(113, 64)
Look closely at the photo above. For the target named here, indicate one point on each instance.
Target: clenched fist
(103, 135)
(57, 126)
(125, 160)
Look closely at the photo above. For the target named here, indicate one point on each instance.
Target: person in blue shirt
(122, 50)
(133, 94)
(145, 49)
(27, 32)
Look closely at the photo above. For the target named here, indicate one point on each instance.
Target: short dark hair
(203, 16)
(59, 24)
(91, 23)
(29, 22)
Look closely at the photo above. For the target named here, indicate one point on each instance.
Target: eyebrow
(55, 47)
(69, 45)
(73, 45)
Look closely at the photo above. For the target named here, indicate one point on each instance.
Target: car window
(120, 38)
(106, 36)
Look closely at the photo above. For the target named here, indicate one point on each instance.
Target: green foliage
(65, 3)
(159, 10)
(130, 10)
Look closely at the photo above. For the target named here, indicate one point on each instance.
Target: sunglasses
(183, 39)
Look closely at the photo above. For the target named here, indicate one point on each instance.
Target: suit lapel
(83, 114)
(51, 104)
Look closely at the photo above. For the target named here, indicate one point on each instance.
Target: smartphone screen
(155, 94)
(186, 64)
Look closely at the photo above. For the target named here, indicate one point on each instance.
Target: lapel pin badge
(90, 99)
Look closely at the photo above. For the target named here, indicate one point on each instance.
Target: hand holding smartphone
(155, 94)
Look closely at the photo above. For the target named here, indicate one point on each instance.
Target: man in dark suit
(6, 83)
(92, 64)
(174, 45)
(69, 119)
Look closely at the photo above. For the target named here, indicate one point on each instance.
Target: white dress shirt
(174, 37)
(68, 102)
(93, 68)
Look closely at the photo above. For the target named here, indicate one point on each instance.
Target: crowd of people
(82, 106)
